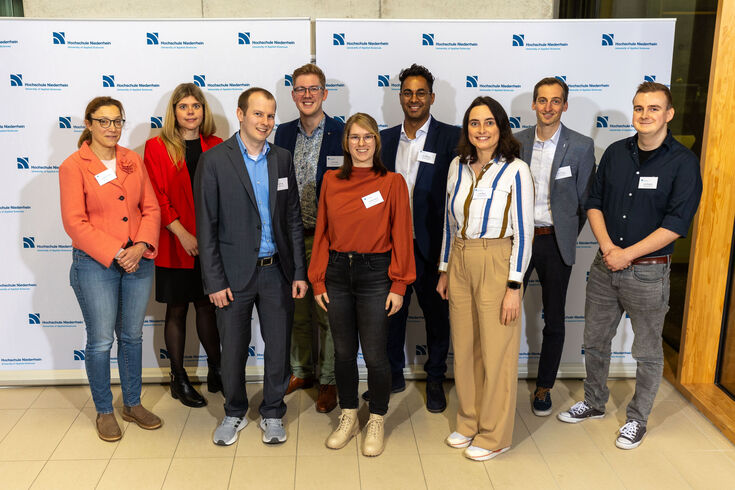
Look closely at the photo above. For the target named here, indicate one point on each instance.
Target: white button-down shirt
(407, 156)
(541, 160)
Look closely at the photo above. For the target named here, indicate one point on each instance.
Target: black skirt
(179, 285)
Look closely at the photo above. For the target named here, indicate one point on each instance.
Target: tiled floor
(47, 440)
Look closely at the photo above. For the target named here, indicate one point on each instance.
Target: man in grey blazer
(562, 162)
(251, 248)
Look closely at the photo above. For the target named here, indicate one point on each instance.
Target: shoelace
(629, 430)
(273, 423)
(344, 423)
(373, 428)
(579, 408)
(541, 393)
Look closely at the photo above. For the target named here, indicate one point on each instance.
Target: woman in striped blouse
(485, 252)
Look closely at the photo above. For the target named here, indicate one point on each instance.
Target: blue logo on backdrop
(420, 349)
(109, 81)
(11, 128)
(64, 122)
(429, 39)
(17, 286)
(585, 86)
(561, 78)
(200, 81)
(16, 80)
(520, 41)
(163, 354)
(288, 80)
(20, 361)
(156, 122)
(473, 81)
(79, 355)
(339, 39)
(335, 86)
(340, 119)
(34, 318)
(608, 39)
(586, 244)
(59, 38)
(604, 122)
(30, 242)
(219, 86)
(243, 38)
(246, 39)
(153, 39)
(254, 354)
(383, 80)
(24, 163)
(649, 78)
(251, 350)
(8, 43)
(515, 122)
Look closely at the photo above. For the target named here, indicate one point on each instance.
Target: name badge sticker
(564, 172)
(282, 184)
(482, 193)
(427, 157)
(105, 176)
(335, 161)
(648, 183)
(372, 199)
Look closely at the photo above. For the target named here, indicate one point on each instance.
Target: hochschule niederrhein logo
(16, 80)
(65, 122)
(441, 44)
(110, 81)
(603, 121)
(383, 80)
(35, 319)
(24, 163)
(156, 122)
(649, 78)
(59, 38)
(608, 39)
(200, 80)
(288, 80)
(474, 81)
(368, 43)
(583, 85)
(519, 40)
(256, 42)
(154, 39)
(30, 242)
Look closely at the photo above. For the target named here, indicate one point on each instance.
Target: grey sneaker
(226, 433)
(579, 412)
(631, 435)
(273, 431)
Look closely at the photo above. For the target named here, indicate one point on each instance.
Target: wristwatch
(514, 285)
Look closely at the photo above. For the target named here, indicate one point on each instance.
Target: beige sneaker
(142, 417)
(107, 427)
(372, 443)
(347, 429)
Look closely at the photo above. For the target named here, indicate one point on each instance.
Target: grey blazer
(228, 223)
(568, 194)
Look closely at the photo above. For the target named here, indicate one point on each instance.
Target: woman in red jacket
(171, 159)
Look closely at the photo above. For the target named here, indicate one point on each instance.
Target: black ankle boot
(214, 379)
(182, 390)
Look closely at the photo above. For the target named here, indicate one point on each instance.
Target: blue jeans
(112, 301)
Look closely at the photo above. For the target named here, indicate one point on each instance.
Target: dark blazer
(228, 222)
(567, 195)
(431, 183)
(286, 134)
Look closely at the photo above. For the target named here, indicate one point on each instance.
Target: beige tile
(703, 469)
(669, 426)
(18, 397)
(63, 397)
(72, 475)
(19, 474)
(82, 442)
(117, 401)
(712, 433)
(603, 432)
(393, 470)
(442, 472)
(36, 434)
(551, 435)
(583, 470)
(158, 397)
(342, 468)
(647, 469)
(431, 429)
(263, 472)
(250, 442)
(8, 419)
(196, 437)
(514, 470)
(134, 473)
(198, 473)
(158, 443)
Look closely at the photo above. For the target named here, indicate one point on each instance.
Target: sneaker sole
(542, 413)
(627, 445)
(272, 440)
(491, 455)
(232, 441)
(460, 445)
(572, 420)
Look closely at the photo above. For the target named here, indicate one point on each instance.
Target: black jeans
(553, 274)
(357, 286)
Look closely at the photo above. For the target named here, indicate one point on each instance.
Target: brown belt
(543, 230)
(663, 259)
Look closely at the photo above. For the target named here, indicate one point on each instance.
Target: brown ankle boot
(107, 427)
(142, 417)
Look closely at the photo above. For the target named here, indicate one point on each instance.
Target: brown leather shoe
(142, 417)
(295, 383)
(327, 399)
(107, 427)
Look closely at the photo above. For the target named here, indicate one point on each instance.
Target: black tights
(175, 332)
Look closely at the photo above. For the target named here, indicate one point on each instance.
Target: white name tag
(564, 172)
(482, 193)
(648, 183)
(372, 199)
(105, 176)
(427, 156)
(335, 161)
(282, 184)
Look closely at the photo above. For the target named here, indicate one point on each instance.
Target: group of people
(335, 225)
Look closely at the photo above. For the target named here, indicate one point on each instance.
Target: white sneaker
(457, 440)
(273, 431)
(479, 454)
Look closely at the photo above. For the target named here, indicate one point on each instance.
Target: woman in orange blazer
(171, 159)
(112, 216)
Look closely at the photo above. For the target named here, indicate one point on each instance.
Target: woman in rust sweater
(361, 263)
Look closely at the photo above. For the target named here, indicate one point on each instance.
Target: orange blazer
(173, 189)
(101, 218)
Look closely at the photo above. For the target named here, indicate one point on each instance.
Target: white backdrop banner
(49, 70)
(602, 61)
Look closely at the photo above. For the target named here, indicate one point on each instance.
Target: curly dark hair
(508, 147)
(417, 71)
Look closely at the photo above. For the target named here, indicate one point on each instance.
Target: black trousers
(553, 274)
(357, 286)
(271, 294)
(436, 318)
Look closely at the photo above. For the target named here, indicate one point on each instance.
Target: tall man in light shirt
(421, 150)
(315, 140)
(562, 163)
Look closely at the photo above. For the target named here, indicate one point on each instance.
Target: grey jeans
(643, 292)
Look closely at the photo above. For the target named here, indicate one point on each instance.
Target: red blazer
(173, 189)
(101, 218)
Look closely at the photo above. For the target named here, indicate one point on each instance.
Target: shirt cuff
(318, 288)
(443, 266)
(515, 276)
(398, 288)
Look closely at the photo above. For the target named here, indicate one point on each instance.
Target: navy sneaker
(436, 402)
(579, 412)
(631, 435)
(541, 402)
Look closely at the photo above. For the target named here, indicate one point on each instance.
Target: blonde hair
(172, 140)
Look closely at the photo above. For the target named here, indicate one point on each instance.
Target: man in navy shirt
(644, 196)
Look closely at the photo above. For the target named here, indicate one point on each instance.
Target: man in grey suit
(251, 247)
(562, 162)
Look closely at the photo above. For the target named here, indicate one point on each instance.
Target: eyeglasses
(313, 90)
(105, 123)
(420, 94)
(355, 139)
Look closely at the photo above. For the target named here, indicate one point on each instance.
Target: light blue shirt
(258, 172)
